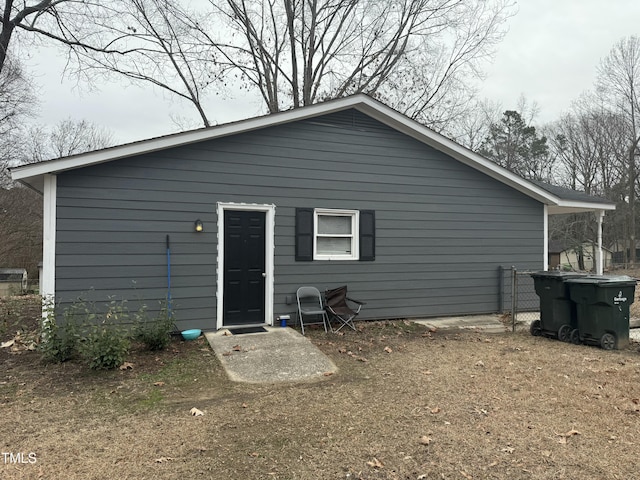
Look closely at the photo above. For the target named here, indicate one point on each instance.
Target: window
(336, 234)
(330, 234)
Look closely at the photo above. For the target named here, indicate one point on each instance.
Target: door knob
(264, 275)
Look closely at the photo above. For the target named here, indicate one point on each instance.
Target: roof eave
(447, 146)
(142, 147)
(564, 207)
(32, 175)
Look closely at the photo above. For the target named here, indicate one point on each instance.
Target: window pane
(331, 225)
(334, 246)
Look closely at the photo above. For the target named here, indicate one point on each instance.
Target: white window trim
(355, 233)
(270, 211)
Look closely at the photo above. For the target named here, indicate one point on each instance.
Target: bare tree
(78, 24)
(68, 137)
(20, 229)
(472, 129)
(619, 83)
(17, 103)
(160, 50)
(21, 207)
(590, 146)
(589, 143)
(416, 55)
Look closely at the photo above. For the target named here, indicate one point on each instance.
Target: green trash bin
(557, 311)
(602, 308)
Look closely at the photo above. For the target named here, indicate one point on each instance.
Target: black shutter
(367, 235)
(304, 234)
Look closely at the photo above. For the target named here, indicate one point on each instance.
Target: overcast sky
(549, 55)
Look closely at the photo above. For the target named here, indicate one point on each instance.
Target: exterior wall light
(199, 226)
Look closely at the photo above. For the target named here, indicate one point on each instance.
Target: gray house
(344, 192)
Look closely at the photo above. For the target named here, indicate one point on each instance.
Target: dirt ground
(406, 403)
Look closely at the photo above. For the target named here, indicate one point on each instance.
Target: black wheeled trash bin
(602, 307)
(557, 311)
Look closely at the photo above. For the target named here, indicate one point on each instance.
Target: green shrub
(105, 348)
(106, 344)
(154, 333)
(60, 342)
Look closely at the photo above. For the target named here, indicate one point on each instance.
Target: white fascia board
(563, 207)
(31, 174)
(441, 143)
(180, 139)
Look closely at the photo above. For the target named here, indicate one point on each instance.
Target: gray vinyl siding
(442, 228)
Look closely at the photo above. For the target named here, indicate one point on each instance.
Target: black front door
(244, 267)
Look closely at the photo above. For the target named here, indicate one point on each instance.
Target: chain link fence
(518, 299)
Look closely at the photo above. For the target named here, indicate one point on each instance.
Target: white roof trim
(29, 173)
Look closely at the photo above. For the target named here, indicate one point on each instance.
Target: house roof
(564, 201)
(569, 194)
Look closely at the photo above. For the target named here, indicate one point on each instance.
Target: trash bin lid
(556, 274)
(605, 280)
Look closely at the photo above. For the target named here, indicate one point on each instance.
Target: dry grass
(405, 404)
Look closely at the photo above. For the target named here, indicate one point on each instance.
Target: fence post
(500, 289)
(514, 297)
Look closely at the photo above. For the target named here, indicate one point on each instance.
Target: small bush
(105, 348)
(107, 344)
(60, 342)
(155, 333)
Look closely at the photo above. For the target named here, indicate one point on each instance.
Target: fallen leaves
(163, 459)
(424, 440)
(158, 384)
(195, 412)
(563, 436)
(21, 342)
(126, 366)
(375, 463)
(388, 350)
(352, 355)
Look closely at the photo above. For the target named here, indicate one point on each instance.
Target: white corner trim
(599, 257)
(545, 238)
(270, 211)
(49, 243)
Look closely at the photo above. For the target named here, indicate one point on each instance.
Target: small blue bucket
(191, 334)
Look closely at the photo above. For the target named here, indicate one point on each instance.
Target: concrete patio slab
(278, 355)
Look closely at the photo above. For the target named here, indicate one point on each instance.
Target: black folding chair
(337, 304)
